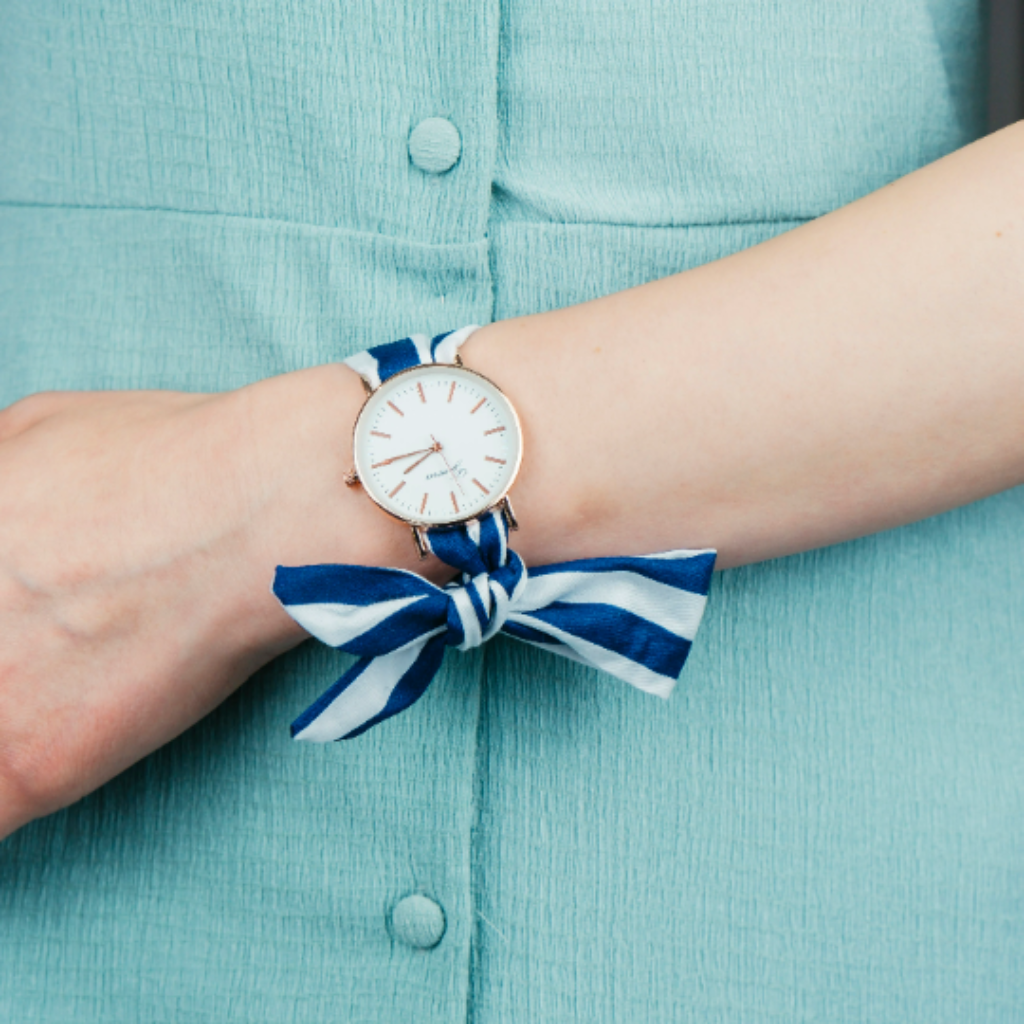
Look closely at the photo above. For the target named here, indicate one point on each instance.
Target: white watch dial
(437, 444)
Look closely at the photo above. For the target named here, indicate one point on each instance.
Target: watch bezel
(444, 524)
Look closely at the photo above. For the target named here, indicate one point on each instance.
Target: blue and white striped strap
(634, 617)
(382, 361)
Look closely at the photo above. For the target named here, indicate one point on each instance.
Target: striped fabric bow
(634, 617)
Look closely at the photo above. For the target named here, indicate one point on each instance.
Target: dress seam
(326, 228)
(669, 226)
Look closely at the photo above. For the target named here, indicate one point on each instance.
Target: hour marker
(423, 397)
(496, 430)
(481, 486)
(377, 433)
(451, 391)
(395, 407)
(477, 406)
(454, 502)
(397, 489)
(491, 458)
(423, 503)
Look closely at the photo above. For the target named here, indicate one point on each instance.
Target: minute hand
(395, 458)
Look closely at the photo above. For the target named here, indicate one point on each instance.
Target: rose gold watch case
(354, 476)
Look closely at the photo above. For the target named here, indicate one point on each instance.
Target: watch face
(437, 444)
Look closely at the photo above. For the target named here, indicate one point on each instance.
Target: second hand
(440, 451)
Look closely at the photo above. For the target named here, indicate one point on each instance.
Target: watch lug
(420, 541)
(351, 478)
(510, 516)
(367, 386)
(458, 359)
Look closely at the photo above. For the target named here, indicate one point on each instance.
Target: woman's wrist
(296, 431)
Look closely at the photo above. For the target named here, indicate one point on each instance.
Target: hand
(398, 458)
(140, 535)
(450, 473)
(430, 451)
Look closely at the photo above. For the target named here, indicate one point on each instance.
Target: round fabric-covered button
(435, 145)
(418, 921)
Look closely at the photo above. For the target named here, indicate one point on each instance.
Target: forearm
(862, 371)
(857, 373)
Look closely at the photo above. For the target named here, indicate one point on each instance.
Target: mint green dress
(824, 823)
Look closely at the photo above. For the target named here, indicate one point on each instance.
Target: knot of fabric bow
(493, 577)
(634, 617)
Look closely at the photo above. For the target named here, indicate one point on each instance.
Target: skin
(855, 374)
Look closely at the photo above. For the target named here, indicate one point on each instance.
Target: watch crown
(351, 478)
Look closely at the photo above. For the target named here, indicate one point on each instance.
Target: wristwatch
(436, 445)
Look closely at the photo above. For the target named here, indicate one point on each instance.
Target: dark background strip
(1005, 63)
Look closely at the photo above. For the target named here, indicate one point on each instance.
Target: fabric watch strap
(376, 364)
(634, 617)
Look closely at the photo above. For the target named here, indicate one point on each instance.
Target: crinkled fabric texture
(823, 824)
